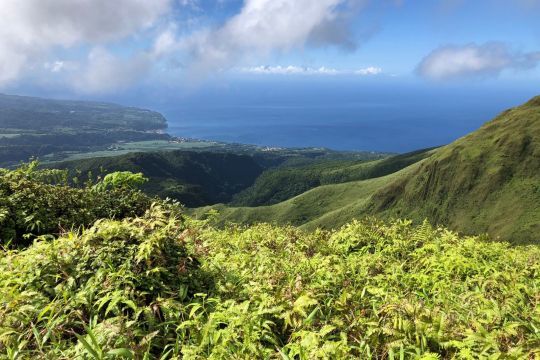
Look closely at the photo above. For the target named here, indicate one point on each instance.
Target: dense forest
(193, 178)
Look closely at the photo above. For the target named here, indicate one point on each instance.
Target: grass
(285, 182)
(487, 181)
(328, 206)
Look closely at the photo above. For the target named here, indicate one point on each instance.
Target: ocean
(345, 117)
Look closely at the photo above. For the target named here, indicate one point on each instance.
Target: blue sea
(341, 115)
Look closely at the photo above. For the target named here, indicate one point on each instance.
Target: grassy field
(130, 147)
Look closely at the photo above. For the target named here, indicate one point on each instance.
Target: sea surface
(341, 116)
(351, 126)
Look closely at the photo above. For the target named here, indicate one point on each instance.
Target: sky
(99, 48)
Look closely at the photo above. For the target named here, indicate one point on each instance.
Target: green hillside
(214, 173)
(35, 127)
(328, 206)
(193, 178)
(488, 181)
(285, 182)
(46, 115)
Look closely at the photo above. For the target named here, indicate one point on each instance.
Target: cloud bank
(299, 70)
(32, 28)
(474, 61)
(70, 41)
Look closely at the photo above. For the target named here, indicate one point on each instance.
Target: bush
(165, 287)
(37, 202)
(117, 288)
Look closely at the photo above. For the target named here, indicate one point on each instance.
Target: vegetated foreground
(161, 285)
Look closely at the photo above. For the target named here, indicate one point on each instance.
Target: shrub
(117, 288)
(37, 202)
(166, 287)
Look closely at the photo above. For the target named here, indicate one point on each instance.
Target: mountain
(486, 182)
(285, 182)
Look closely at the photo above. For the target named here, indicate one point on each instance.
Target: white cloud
(36, 37)
(104, 72)
(31, 28)
(55, 67)
(488, 60)
(372, 70)
(289, 70)
(266, 26)
(299, 70)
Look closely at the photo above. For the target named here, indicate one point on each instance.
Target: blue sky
(99, 47)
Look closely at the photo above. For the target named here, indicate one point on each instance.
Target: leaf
(123, 352)
(88, 347)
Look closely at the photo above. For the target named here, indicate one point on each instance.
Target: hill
(37, 114)
(327, 206)
(193, 178)
(211, 174)
(488, 181)
(104, 272)
(35, 127)
(285, 182)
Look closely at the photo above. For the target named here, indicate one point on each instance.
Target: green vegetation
(34, 203)
(93, 268)
(124, 148)
(193, 178)
(486, 182)
(163, 286)
(328, 206)
(33, 127)
(35, 114)
(285, 182)
(210, 175)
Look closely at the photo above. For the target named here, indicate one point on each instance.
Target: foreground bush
(157, 287)
(116, 289)
(37, 202)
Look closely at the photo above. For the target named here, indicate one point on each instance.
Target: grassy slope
(329, 206)
(283, 183)
(488, 181)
